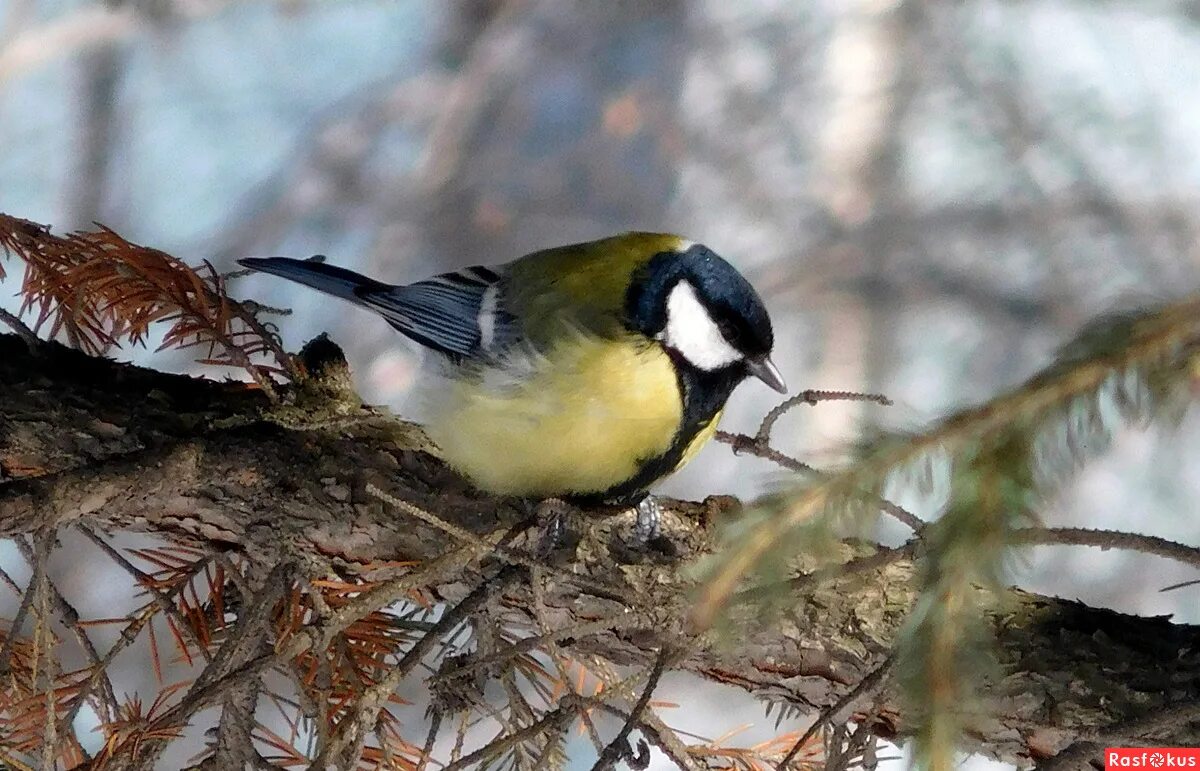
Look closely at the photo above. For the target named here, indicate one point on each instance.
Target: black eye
(730, 331)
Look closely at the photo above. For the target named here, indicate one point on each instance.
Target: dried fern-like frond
(188, 592)
(98, 289)
(137, 727)
(358, 658)
(26, 701)
(391, 750)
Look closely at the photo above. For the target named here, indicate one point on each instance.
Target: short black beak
(765, 370)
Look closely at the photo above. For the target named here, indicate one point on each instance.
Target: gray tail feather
(330, 279)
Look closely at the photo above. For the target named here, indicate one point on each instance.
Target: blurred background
(931, 196)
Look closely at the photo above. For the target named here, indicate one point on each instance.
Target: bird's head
(704, 313)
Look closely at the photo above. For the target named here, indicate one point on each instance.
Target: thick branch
(90, 441)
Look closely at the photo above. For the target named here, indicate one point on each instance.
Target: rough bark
(86, 440)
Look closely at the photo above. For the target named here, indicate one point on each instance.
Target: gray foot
(649, 519)
(552, 515)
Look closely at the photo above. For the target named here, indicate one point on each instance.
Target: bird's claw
(648, 526)
(551, 515)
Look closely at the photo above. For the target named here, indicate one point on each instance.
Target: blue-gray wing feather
(460, 314)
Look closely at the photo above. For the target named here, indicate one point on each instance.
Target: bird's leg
(649, 517)
(551, 515)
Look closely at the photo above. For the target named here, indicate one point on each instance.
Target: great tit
(584, 372)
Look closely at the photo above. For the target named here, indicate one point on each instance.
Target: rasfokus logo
(1151, 757)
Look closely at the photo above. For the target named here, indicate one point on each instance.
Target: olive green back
(579, 287)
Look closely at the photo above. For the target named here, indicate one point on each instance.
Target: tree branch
(108, 445)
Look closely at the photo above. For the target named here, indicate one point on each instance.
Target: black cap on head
(730, 300)
(705, 312)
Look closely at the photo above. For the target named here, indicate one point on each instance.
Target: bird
(582, 373)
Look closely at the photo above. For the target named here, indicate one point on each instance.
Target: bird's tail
(314, 273)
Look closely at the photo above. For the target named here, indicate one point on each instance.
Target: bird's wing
(476, 312)
(460, 313)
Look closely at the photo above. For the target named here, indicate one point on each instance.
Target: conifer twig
(107, 703)
(752, 445)
(353, 731)
(811, 397)
(143, 579)
(22, 331)
(616, 749)
(880, 557)
(1150, 347)
(10, 641)
(556, 719)
(660, 735)
(1109, 539)
(867, 685)
(44, 645)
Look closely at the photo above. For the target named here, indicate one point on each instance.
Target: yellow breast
(577, 420)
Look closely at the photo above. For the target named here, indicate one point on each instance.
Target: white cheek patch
(693, 333)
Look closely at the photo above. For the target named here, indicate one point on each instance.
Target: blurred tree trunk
(538, 134)
(870, 76)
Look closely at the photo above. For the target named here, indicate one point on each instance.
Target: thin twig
(253, 306)
(44, 640)
(107, 704)
(865, 686)
(18, 620)
(128, 635)
(879, 558)
(32, 341)
(245, 644)
(1109, 539)
(554, 720)
(619, 746)
(752, 446)
(429, 518)
(310, 637)
(661, 735)
(851, 748)
(165, 603)
(8, 581)
(533, 642)
(497, 549)
(902, 515)
(373, 698)
(234, 745)
(538, 610)
(253, 622)
(435, 724)
(13, 763)
(812, 398)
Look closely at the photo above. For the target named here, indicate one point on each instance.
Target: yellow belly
(579, 420)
